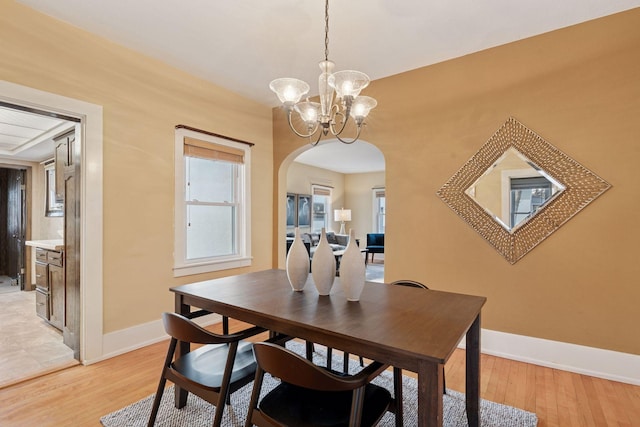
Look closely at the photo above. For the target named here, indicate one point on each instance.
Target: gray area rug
(200, 413)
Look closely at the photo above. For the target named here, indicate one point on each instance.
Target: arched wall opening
(352, 185)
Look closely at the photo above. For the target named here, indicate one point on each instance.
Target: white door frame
(91, 330)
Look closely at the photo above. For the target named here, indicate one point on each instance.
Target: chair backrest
(294, 369)
(410, 283)
(375, 239)
(183, 329)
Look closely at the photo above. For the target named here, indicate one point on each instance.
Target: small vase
(352, 270)
(323, 265)
(297, 263)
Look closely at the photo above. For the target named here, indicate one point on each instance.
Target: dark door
(68, 159)
(13, 217)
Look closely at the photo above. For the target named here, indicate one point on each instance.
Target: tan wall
(359, 198)
(143, 100)
(579, 89)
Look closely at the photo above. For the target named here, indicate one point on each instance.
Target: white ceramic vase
(297, 263)
(352, 270)
(323, 265)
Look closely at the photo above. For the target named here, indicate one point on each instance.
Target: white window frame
(375, 217)
(183, 266)
(328, 206)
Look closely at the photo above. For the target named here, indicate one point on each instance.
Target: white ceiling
(28, 135)
(358, 157)
(244, 44)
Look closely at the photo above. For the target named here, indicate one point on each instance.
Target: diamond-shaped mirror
(518, 189)
(513, 189)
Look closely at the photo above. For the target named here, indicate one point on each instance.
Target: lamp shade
(342, 215)
(361, 106)
(348, 82)
(309, 111)
(288, 90)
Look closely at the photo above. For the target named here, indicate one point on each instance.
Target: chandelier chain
(326, 30)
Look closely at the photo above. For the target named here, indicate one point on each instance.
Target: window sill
(207, 267)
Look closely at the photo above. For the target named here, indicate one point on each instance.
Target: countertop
(53, 244)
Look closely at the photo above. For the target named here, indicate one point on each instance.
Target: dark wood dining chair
(310, 395)
(212, 372)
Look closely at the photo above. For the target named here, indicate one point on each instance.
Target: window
(321, 202)
(527, 196)
(212, 212)
(379, 210)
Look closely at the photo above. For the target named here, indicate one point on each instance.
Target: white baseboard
(126, 340)
(595, 362)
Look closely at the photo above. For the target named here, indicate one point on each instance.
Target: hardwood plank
(567, 407)
(530, 388)
(487, 363)
(592, 402)
(582, 405)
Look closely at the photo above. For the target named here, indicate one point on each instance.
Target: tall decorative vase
(352, 270)
(323, 265)
(297, 263)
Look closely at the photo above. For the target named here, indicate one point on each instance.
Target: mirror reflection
(513, 189)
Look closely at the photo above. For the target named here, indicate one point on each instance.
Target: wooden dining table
(409, 328)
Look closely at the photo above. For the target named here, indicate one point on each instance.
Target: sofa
(338, 242)
(375, 244)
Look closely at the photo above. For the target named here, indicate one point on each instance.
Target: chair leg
(345, 363)
(397, 395)
(156, 401)
(444, 383)
(329, 358)
(253, 403)
(225, 392)
(310, 351)
(225, 325)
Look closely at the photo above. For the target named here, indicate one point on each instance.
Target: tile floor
(28, 345)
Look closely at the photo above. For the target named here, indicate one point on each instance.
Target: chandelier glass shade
(332, 113)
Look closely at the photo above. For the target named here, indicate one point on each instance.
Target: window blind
(207, 150)
(321, 191)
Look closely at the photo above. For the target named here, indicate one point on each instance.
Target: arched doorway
(349, 171)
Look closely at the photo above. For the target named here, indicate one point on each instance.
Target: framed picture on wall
(292, 211)
(52, 207)
(304, 210)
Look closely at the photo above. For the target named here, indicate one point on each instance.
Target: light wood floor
(80, 395)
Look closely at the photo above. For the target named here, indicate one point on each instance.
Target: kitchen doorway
(92, 338)
(36, 345)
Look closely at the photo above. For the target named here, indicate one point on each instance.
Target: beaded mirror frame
(582, 188)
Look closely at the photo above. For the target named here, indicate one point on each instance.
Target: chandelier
(327, 115)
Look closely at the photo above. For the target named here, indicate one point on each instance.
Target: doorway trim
(91, 212)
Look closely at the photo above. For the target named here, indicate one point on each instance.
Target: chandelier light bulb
(347, 88)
